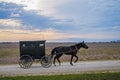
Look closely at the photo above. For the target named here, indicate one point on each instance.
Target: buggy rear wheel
(46, 61)
(25, 61)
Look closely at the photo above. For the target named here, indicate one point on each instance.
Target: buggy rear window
(41, 45)
(23, 45)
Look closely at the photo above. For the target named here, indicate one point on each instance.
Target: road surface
(65, 68)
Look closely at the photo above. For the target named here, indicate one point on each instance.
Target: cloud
(7, 10)
(47, 7)
(53, 20)
(10, 24)
(32, 17)
(91, 14)
(117, 28)
(14, 15)
(16, 35)
(50, 35)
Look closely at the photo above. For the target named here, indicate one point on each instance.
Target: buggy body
(31, 50)
(35, 49)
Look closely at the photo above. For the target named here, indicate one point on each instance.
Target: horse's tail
(53, 52)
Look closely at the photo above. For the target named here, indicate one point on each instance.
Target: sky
(60, 20)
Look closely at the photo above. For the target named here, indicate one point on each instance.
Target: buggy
(31, 50)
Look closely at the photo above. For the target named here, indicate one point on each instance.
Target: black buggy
(31, 50)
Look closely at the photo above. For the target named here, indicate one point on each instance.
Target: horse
(68, 50)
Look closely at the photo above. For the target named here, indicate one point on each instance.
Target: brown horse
(68, 50)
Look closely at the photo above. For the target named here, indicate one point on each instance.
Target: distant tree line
(115, 41)
(8, 42)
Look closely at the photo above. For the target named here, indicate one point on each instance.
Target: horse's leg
(76, 59)
(54, 60)
(58, 58)
(71, 60)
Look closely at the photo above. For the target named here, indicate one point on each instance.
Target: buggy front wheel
(46, 61)
(25, 61)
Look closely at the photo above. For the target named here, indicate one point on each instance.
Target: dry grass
(9, 53)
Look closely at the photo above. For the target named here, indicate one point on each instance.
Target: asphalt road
(65, 68)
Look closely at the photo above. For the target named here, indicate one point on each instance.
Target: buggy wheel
(46, 61)
(25, 61)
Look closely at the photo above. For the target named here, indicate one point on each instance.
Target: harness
(76, 49)
(70, 50)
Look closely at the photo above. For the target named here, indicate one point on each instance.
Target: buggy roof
(34, 41)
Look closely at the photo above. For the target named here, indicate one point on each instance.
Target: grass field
(9, 52)
(88, 76)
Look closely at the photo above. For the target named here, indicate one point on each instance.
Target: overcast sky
(60, 20)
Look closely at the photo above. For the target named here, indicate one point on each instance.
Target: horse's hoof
(71, 64)
(54, 65)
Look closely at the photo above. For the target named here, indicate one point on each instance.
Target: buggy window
(40, 45)
(23, 45)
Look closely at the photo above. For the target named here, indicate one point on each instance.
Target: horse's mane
(76, 44)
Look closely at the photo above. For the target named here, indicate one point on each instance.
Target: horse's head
(82, 45)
